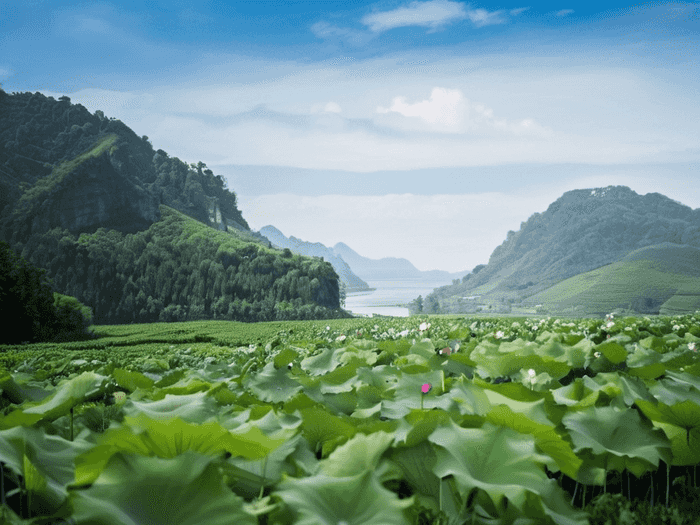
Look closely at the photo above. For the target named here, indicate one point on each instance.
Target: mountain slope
(352, 282)
(388, 267)
(661, 279)
(135, 234)
(579, 232)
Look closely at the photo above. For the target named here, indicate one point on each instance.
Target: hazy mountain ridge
(72, 184)
(389, 268)
(579, 232)
(352, 282)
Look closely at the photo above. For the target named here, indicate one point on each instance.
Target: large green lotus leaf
(684, 378)
(327, 361)
(362, 357)
(671, 391)
(619, 438)
(131, 380)
(613, 351)
(520, 347)
(369, 412)
(134, 490)
(424, 348)
(185, 386)
(341, 403)
(272, 423)
(534, 410)
(416, 464)
(654, 343)
(18, 393)
(272, 385)
(469, 396)
(246, 476)
(681, 423)
(168, 439)
(360, 453)
(581, 393)
(408, 394)
(576, 354)
(284, 357)
(323, 430)
(355, 500)
(377, 376)
(416, 426)
(45, 462)
(497, 460)
(631, 388)
(546, 439)
(67, 394)
(195, 408)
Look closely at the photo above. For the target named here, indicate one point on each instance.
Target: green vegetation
(430, 420)
(30, 310)
(64, 169)
(180, 269)
(80, 198)
(580, 232)
(661, 279)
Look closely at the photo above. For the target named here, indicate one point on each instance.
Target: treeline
(182, 270)
(30, 310)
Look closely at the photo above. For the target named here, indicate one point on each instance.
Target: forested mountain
(351, 281)
(579, 232)
(95, 205)
(388, 267)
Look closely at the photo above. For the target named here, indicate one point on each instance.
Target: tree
(32, 309)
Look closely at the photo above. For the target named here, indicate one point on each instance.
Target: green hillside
(138, 235)
(661, 279)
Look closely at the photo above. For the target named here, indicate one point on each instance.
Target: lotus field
(372, 421)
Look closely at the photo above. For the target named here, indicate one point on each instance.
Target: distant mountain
(579, 232)
(315, 249)
(389, 267)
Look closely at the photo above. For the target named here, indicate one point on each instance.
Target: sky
(417, 129)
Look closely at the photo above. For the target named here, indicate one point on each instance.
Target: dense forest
(135, 234)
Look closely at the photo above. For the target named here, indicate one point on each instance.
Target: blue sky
(423, 130)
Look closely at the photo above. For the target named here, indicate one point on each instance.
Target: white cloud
(482, 17)
(329, 31)
(444, 109)
(516, 12)
(332, 107)
(564, 12)
(431, 14)
(447, 110)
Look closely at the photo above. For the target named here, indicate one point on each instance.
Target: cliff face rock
(96, 195)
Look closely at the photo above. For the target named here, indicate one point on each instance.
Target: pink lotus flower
(426, 388)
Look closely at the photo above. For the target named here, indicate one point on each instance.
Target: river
(388, 295)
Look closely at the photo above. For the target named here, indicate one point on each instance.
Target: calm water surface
(387, 297)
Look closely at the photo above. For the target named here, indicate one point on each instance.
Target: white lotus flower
(403, 333)
(340, 338)
(610, 324)
(424, 326)
(499, 334)
(597, 354)
(531, 373)
(691, 346)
